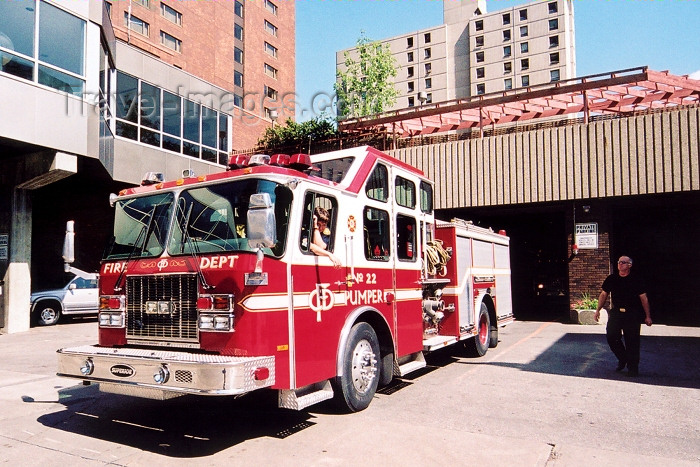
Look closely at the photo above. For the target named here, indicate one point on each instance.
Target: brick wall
(589, 268)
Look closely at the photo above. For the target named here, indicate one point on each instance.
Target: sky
(610, 35)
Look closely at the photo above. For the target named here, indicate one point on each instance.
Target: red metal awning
(623, 91)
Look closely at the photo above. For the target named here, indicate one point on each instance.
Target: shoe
(633, 372)
(620, 366)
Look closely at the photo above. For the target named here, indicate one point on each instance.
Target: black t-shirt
(624, 292)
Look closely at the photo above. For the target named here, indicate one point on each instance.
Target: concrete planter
(587, 316)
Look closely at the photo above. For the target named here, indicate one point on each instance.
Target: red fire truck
(210, 284)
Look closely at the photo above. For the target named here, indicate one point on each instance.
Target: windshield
(140, 226)
(214, 218)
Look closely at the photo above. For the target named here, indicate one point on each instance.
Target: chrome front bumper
(132, 371)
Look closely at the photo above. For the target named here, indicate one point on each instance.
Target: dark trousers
(627, 351)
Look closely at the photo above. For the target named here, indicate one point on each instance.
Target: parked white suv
(78, 297)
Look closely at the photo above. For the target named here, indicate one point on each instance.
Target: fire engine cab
(217, 284)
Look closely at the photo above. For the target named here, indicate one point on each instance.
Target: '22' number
(369, 278)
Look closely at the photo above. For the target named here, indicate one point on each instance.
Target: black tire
(356, 387)
(479, 344)
(47, 313)
(493, 341)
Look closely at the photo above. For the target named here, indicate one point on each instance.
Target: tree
(365, 87)
(293, 134)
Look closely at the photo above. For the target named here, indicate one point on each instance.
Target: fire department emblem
(163, 263)
(321, 299)
(352, 224)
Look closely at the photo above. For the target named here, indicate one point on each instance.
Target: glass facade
(159, 118)
(57, 58)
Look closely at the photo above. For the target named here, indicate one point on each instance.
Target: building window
(480, 89)
(428, 68)
(136, 24)
(409, 72)
(427, 53)
(411, 101)
(270, 49)
(429, 98)
(480, 72)
(553, 41)
(506, 19)
(523, 15)
(61, 48)
(554, 24)
(507, 67)
(170, 42)
(508, 83)
(426, 38)
(238, 9)
(428, 83)
(525, 64)
(238, 32)
(170, 14)
(238, 78)
(479, 25)
(409, 42)
(411, 86)
(554, 58)
(554, 75)
(270, 92)
(553, 8)
(270, 28)
(271, 7)
(238, 100)
(479, 41)
(154, 116)
(507, 51)
(525, 80)
(506, 35)
(524, 47)
(270, 71)
(237, 55)
(523, 31)
(409, 56)
(143, 3)
(479, 57)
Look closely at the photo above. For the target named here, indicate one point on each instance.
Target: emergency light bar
(151, 178)
(300, 162)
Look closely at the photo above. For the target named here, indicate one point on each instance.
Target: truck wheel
(478, 345)
(357, 385)
(47, 314)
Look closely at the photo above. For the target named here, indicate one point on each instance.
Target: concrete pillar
(17, 280)
(15, 297)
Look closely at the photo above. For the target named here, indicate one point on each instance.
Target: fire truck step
(298, 399)
(415, 363)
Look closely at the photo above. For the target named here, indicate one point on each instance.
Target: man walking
(629, 308)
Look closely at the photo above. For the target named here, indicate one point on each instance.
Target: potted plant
(583, 310)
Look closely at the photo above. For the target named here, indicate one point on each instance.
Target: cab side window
(377, 186)
(426, 197)
(312, 201)
(405, 238)
(376, 234)
(405, 192)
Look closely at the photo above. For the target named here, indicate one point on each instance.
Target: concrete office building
(475, 52)
(89, 103)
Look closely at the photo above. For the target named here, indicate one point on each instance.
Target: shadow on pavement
(184, 427)
(664, 360)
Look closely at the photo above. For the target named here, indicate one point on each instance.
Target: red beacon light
(302, 163)
(280, 160)
(237, 161)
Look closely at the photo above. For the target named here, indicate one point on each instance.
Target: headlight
(213, 322)
(114, 319)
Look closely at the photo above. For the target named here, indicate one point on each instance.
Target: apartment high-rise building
(246, 48)
(474, 52)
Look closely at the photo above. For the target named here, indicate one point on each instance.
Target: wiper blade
(144, 232)
(194, 250)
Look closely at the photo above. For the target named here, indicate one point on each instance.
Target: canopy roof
(623, 91)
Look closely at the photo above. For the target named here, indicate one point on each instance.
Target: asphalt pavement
(597, 417)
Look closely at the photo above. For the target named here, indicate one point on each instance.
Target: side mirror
(72, 286)
(69, 246)
(262, 226)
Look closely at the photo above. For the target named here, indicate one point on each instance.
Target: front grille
(175, 298)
